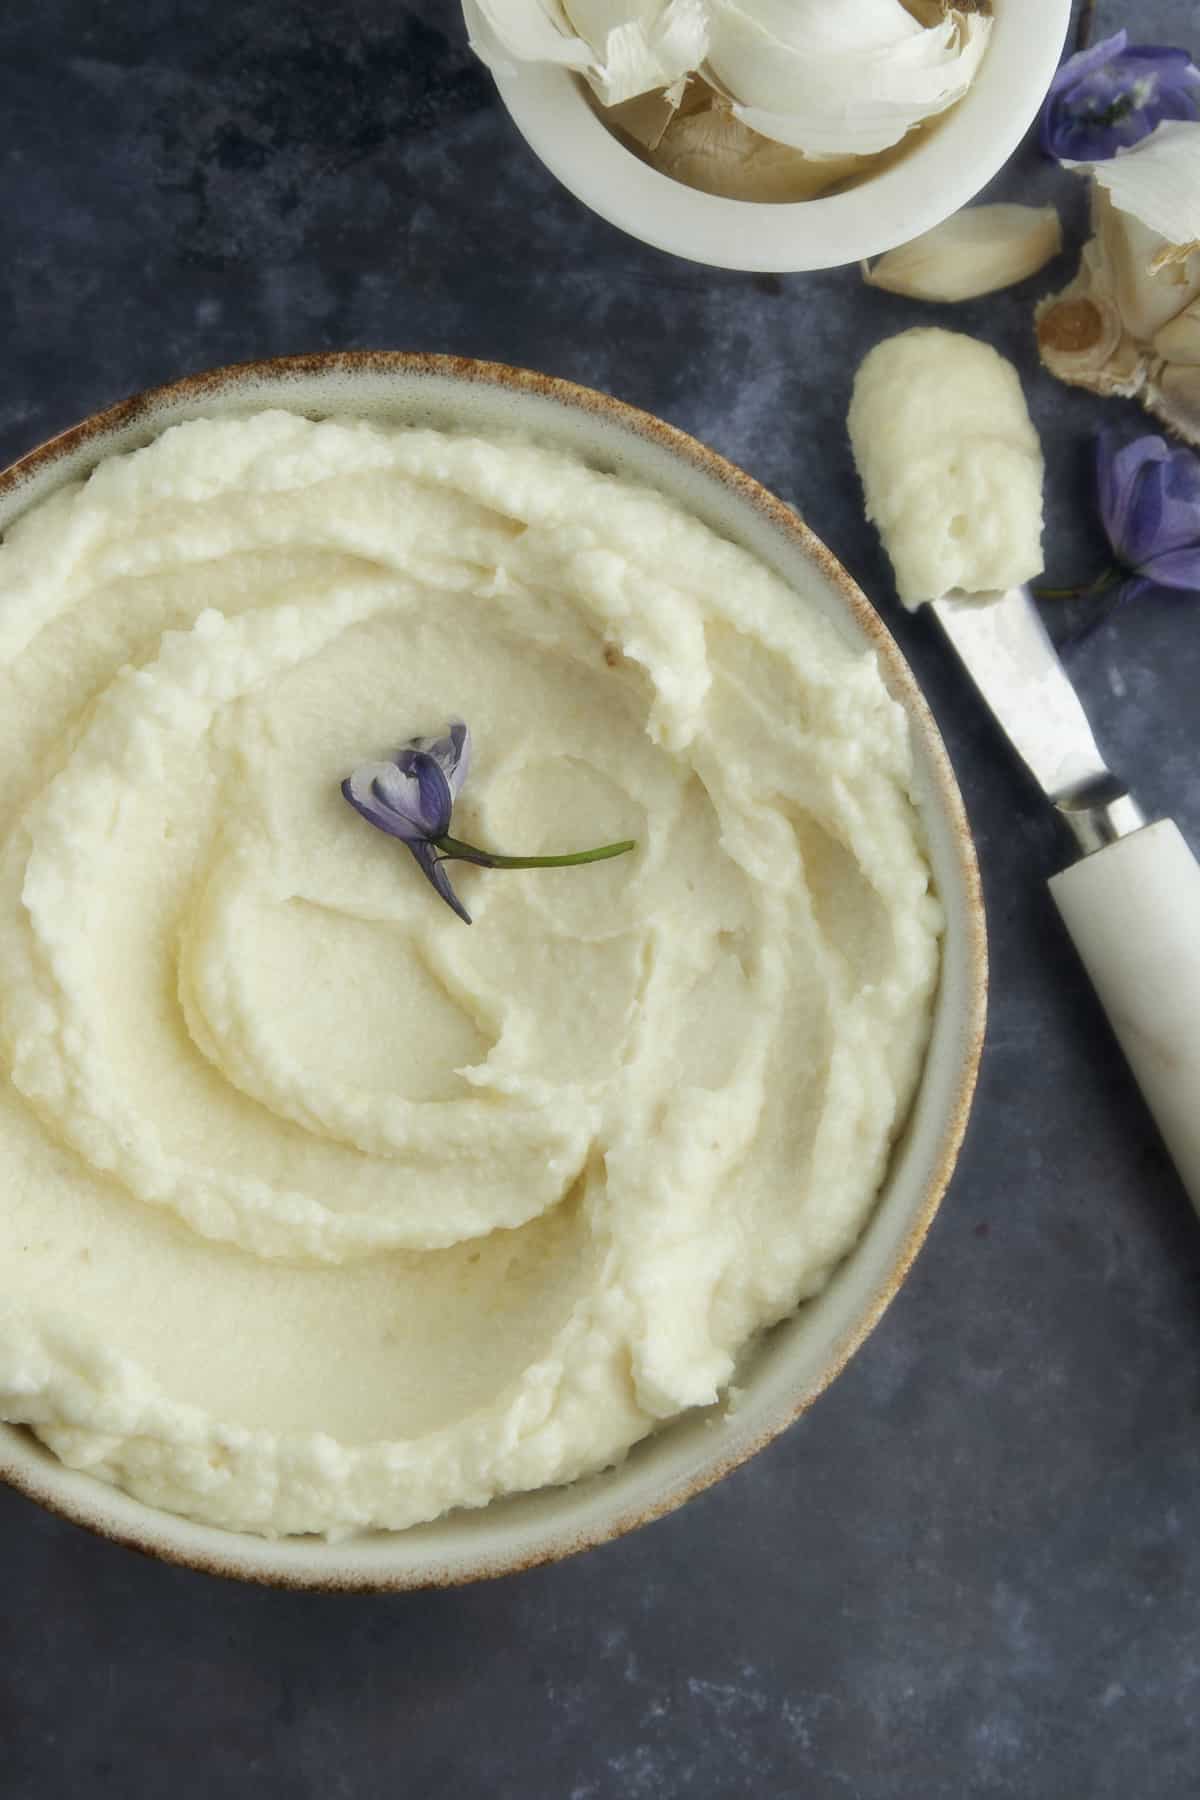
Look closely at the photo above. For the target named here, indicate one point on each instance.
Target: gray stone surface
(973, 1569)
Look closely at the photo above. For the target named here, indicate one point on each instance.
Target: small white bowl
(799, 1357)
(553, 113)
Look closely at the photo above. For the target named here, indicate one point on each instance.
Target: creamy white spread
(320, 1210)
(951, 464)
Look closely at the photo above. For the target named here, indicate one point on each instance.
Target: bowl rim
(163, 1535)
(969, 145)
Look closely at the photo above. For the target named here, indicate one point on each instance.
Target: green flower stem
(1085, 590)
(487, 859)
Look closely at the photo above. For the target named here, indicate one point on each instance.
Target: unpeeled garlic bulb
(1129, 322)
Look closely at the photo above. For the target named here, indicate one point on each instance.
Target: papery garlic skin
(836, 82)
(1157, 181)
(714, 152)
(979, 250)
(625, 48)
(951, 464)
(839, 83)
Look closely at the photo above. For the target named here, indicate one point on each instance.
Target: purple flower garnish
(1112, 96)
(1150, 505)
(412, 798)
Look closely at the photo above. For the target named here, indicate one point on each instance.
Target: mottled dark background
(974, 1568)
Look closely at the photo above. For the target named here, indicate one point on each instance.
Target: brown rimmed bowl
(798, 1358)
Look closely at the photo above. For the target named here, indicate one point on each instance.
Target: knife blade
(1131, 900)
(1005, 648)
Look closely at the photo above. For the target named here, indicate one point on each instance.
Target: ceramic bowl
(799, 1357)
(552, 111)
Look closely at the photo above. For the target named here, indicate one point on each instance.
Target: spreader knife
(1131, 899)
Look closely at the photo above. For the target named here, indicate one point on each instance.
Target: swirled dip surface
(319, 1209)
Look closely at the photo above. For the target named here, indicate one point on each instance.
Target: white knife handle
(1133, 911)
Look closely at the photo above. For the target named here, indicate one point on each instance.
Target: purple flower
(1150, 505)
(1113, 95)
(412, 798)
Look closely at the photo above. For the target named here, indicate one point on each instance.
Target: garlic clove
(1173, 395)
(1179, 339)
(977, 251)
(1148, 290)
